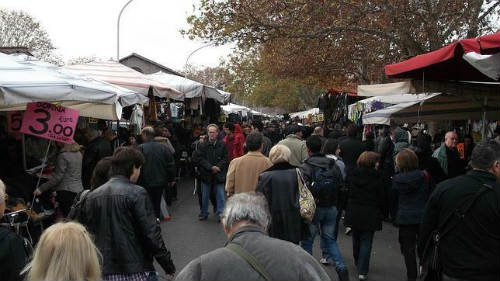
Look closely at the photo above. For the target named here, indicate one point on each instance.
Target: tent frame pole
(484, 117)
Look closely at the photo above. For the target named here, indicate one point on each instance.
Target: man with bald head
(448, 157)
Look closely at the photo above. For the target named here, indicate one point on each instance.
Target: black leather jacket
(120, 216)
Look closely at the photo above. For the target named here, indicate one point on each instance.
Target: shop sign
(49, 121)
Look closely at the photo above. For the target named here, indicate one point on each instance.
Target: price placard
(14, 123)
(50, 121)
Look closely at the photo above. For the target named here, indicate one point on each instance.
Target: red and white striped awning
(121, 75)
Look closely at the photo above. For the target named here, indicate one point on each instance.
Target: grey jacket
(298, 149)
(281, 259)
(68, 173)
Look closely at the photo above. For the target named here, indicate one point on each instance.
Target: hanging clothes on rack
(137, 119)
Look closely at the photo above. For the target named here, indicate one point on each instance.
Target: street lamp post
(118, 31)
(196, 50)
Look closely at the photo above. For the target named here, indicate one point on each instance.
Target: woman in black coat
(365, 208)
(413, 187)
(280, 187)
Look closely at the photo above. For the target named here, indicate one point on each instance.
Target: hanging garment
(136, 119)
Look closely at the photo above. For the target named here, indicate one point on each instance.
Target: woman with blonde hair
(65, 252)
(279, 185)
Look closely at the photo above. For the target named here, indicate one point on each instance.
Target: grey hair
(485, 154)
(250, 207)
(212, 125)
(448, 134)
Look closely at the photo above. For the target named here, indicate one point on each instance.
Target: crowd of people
(251, 173)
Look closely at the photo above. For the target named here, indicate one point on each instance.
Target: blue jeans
(324, 221)
(362, 249)
(205, 196)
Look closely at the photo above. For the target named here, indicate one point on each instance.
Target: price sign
(50, 121)
(14, 123)
(320, 117)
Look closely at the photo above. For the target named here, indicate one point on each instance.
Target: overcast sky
(148, 27)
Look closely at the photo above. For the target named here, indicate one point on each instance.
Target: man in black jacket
(471, 249)
(96, 149)
(158, 171)
(324, 179)
(211, 159)
(350, 150)
(120, 216)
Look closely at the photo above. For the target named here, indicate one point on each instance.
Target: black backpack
(326, 184)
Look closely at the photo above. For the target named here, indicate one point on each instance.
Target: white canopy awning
(489, 65)
(305, 113)
(24, 80)
(121, 75)
(398, 88)
(235, 108)
(190, 88)
(437, 107)
(394, 101)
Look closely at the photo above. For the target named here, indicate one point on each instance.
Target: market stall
(121, 75)
(452, 62)
(467, 69)
(190, 89)
(24, 79)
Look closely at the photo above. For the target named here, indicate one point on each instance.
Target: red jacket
(234, 144)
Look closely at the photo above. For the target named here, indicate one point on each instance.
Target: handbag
(307, 204)
(432, 269)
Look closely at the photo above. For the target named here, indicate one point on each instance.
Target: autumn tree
(340, 42)
(210, 76)
(19, 29)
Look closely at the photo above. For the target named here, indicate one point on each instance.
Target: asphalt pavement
(187, 238)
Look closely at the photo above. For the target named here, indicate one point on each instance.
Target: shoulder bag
(306, 200)
(252, 261)
(431, 264)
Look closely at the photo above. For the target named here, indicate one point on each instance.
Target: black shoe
(343, 274)
(202, 217)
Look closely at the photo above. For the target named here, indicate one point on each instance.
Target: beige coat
(244, 172)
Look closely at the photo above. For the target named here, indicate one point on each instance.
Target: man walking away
(211, 159)
(296, 145)
(96, 149)
(324, 179)
(244, 171)
(158, 170)
(250, 253)
(470, 250)
(120, 216)
(350, 150)
(258, 127)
